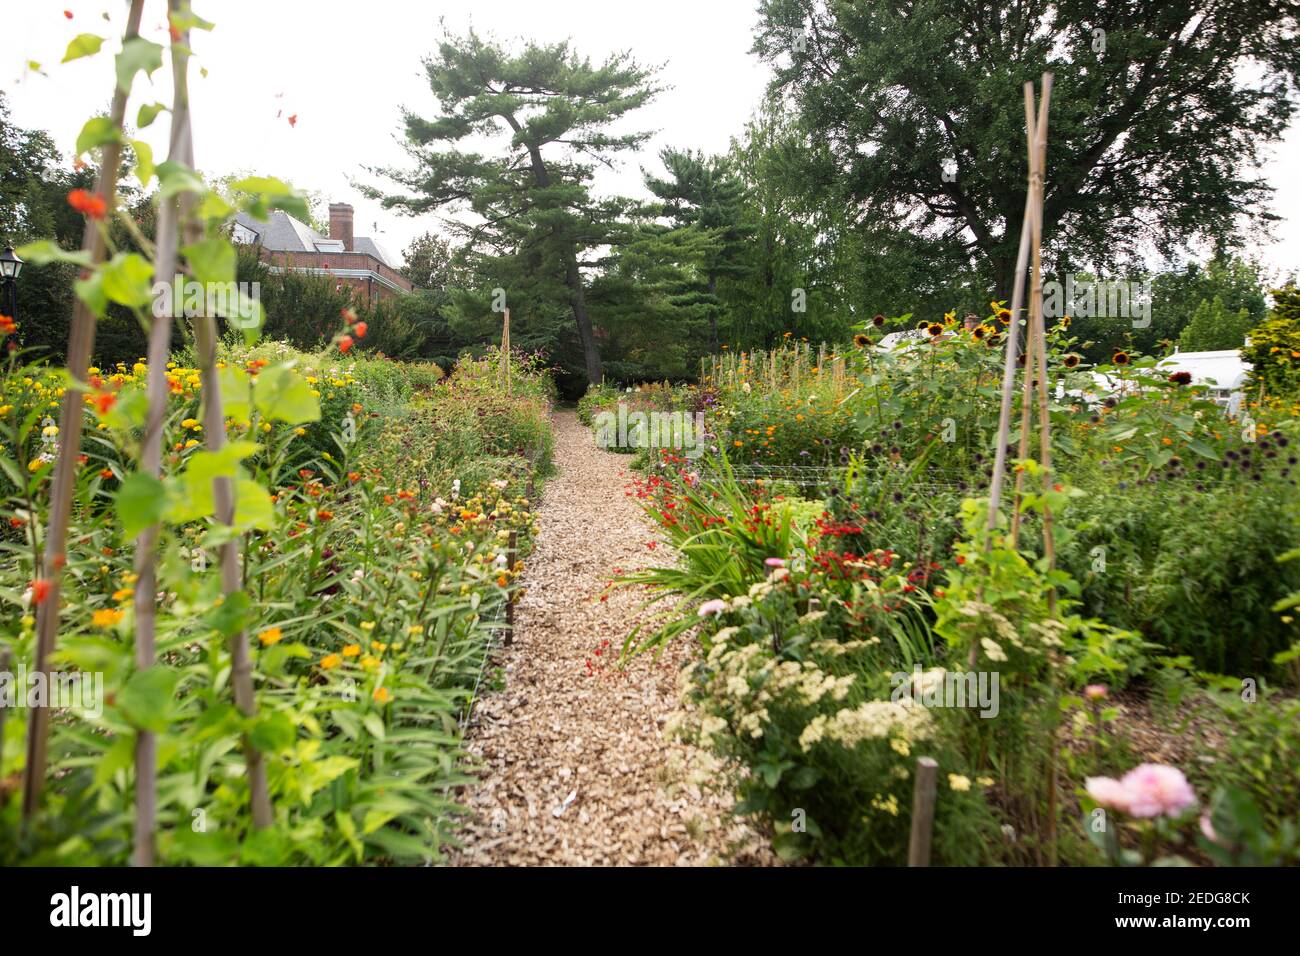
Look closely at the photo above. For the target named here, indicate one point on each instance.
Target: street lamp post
(10, 268)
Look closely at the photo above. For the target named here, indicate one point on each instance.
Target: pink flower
(775, 562)
(1207, 827)
(1095, 691)
(712, 608)
(1108, 792)
(1155, 790)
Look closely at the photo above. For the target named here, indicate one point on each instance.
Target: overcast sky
(345, 69)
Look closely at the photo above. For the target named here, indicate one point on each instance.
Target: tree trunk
(578, 297)
(713, 315)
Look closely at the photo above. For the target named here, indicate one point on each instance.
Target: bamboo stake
(81, 343)
(146, 542)
(1036, 305)
(214, 429)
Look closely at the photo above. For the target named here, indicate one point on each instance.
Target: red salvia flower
(88, 203)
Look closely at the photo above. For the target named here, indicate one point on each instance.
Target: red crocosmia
(40, 590)
(104, 402)
(345, 343)
(88, 203)
(361, 329)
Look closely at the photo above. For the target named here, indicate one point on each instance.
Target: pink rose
(1108, 792)
(1095, 691)
(1157, 790)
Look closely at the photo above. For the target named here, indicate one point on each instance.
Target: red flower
(345, 343)
(361, 328)
(40, 590)
(68, 14)
(1181, 378)
(293, 120)
(88, 203)
(104, 402)
(106, 473)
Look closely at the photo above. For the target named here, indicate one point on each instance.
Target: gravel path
(575, 767)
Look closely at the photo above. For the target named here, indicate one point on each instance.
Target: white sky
(345, 69)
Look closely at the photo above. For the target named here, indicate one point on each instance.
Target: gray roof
(283, 233)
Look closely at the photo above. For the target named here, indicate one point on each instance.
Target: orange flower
(382, 695)
(361, 328)
(271, 635)
(345, 343)
(88, 203)
(104, 402)
(330, 661)
(352, 650)
(7, 325)
(40, 590)
(324, 515)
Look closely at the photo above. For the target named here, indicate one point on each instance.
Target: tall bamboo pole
(1036, 304)
(146, 542)
(81, 343)
(214, 432)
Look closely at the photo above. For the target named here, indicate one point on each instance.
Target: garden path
(576, 768)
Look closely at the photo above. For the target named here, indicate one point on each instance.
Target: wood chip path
(575, 767)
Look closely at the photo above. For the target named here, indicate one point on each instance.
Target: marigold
(352, 650)
(272, 635)
(330, 661)
(107, 617)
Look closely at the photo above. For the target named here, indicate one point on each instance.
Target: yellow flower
(271, 635)
(352, 650)
(378, 647)
(984, 781)
(330, 661)
(415, 629)
(367, 625)
(382, 695)
(107, 617)
(300, 431)
(959, 783)
(122, 594)
(369, 663)
(266, 426)
(900, 746)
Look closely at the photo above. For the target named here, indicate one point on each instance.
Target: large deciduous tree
(542, 116)
(1158, 114)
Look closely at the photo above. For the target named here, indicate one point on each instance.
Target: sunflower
(1119, 358)
(979, 332)
(1004, 316)
(1065, 321)
(1071, 360)
(878, 321)
(993, 339)
(861, 340)
(934, 328)
(1181, 378)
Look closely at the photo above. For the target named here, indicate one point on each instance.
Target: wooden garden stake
(510, 600)
(923, 798)
(81, 343)
(146, 542)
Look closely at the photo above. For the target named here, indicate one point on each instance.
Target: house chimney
(341, 223)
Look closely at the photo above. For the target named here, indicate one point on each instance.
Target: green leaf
(128, 280)
(120, 756)
(212, 260)
(273, 732)
(97, 131)
(234, 392)
(282, 395)
(375, 724)
(85, 44)
(140, 503)
(232, 615)
(137, 54)
(148, 113)
(188, 20)
(175, 178)
(43, 252)
(146, 700)
(253, 506)
(143, 161)
(91, 292)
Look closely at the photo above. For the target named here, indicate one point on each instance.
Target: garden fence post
(81, 343)
(923, 797)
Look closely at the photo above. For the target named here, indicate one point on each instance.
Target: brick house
(356, 261)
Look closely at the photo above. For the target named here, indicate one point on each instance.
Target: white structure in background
(1223, 372)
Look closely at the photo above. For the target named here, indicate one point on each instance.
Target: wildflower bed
(373, 572)
(835, 628)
